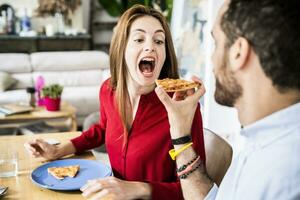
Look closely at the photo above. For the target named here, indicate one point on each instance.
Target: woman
(133, 122)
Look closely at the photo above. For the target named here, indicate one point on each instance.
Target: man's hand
(181, 108)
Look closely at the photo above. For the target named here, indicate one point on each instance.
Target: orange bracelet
(189, 167)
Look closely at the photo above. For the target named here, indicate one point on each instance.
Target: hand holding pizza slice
(181, 106)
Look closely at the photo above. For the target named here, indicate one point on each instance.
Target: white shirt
(269, 165)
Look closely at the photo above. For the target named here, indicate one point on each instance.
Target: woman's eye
(138, 40)
(159, 42)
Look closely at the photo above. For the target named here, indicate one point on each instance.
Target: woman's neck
(135, 90)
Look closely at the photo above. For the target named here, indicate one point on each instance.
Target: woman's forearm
(64, 150)
(143, 190)
(198, 184)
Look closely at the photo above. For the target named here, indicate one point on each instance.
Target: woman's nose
(149, 47)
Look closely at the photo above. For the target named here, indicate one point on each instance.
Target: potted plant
(51, 95)
(115, 8)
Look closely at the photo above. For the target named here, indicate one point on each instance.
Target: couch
(80, 72)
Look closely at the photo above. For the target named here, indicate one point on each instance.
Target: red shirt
(145, 157)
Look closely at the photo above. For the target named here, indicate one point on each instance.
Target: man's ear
(239, 53)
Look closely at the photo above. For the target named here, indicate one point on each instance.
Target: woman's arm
(116, 189)
(40, 148)
(197, 185)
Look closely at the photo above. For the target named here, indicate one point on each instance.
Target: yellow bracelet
(173, 153)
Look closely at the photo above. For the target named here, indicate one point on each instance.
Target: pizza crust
(62, 172)
(174, 85)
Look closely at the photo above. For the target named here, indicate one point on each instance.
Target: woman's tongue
(146, 69)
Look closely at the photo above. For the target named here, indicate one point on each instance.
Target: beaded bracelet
(182, 140)
(189, 167)
(183, 167)
(184, 176)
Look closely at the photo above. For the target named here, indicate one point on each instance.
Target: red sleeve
(162, 190)
(197, 134)
(95, 135)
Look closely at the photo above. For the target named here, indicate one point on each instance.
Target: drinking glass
(8, 164)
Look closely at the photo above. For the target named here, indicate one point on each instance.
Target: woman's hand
(40, 148)
(113, 188)
(181, 108)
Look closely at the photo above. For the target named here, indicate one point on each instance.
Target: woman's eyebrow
(141, 30)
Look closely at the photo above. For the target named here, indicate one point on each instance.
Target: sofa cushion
(24, 80)
(14, 96)
(69, 60)
(72, 78)
(6, 81)
(85, 103)
(15, 62)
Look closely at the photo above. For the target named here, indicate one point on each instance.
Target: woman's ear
(239, 53)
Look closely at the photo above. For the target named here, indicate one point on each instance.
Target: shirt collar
(272, 127)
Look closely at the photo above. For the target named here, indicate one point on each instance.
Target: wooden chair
(218, 156)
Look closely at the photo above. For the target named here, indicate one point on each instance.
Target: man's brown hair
(272, 29)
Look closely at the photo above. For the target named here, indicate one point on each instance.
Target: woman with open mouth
(133, 122)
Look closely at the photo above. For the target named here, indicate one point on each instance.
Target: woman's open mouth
(146, 66)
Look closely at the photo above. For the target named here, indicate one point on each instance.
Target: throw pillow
(6, 81)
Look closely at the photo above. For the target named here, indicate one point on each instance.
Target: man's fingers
(163, 97)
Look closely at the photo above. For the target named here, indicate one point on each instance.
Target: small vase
(52, 104)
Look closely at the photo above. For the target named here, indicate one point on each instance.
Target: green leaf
(112, 7)
(53, 91)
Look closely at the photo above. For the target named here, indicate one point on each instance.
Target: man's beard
(228, 90)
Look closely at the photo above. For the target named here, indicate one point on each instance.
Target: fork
(3, 190)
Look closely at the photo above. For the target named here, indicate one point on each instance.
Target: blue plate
(89, 169)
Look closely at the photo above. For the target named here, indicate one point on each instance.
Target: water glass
(8, 164)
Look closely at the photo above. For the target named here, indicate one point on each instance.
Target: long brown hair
(118, 66)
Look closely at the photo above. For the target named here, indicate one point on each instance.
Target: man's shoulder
(279, 159)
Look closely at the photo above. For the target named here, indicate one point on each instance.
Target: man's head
(270, 30)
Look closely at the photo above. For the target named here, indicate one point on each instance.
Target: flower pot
(52, 104)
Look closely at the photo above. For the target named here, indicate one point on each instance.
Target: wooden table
(21, 187)
(66, 112)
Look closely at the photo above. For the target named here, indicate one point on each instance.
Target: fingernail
(83, 187)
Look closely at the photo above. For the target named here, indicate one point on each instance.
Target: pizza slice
(173, 85)
(61, 172)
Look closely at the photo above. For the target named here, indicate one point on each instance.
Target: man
(257, 69)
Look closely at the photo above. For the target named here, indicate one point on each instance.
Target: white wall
(222, 120)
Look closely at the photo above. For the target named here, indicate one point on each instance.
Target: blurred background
(28, 26)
